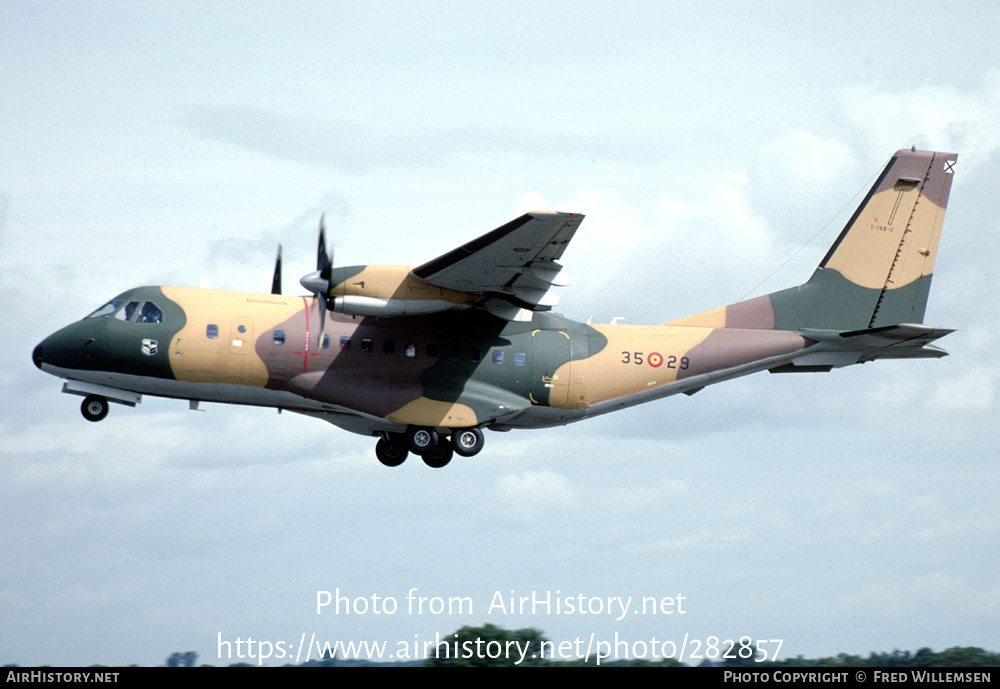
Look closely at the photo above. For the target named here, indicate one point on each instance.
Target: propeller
(276, 281)
(319, 282)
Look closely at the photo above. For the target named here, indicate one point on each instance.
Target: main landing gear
(436, 450)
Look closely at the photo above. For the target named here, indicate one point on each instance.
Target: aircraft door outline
(551, 363)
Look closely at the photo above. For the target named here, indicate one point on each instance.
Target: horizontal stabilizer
(904, 335)
(904, 341)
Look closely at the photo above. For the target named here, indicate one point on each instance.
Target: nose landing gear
(94, 408)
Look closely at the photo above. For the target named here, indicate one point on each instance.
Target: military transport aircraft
(425, 358)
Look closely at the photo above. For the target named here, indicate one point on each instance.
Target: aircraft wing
(513, 267)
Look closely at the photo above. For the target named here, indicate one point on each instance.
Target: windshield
(108, 309)
(134, 311)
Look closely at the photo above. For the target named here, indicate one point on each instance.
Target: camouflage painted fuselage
(448, 370)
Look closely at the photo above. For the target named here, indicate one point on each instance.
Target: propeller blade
(276, 281)
(319, 282)
(322, 323)
(324, 260)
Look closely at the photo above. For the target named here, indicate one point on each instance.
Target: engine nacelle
(386, 308)
(387, 291)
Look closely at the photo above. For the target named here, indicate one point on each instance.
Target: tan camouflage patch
(637, 358)
(229, 356)
(394, 282)
(428, 412)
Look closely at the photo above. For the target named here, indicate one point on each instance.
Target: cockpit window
(131, 312)
(149, 313)
(107, 309)
(128, 312)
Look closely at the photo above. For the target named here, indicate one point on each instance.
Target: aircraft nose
(37, 356)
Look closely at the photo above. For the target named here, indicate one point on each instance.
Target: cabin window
(519, 358)
(367, 345)
(453, 353)
(345, 343)
(498, 357)
(279, 337)
(475, 355)
(433, 351)
(389, 347)
(411, 349)
(212, 331)
(325, 344)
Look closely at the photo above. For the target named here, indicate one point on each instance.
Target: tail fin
(878, 272)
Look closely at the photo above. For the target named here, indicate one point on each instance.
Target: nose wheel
(94, 408)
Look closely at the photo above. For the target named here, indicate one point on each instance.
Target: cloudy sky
(716, 152)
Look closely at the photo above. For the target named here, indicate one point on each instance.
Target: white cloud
(532, 492)
(974, 389)
(930, 117)
(806, 158)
